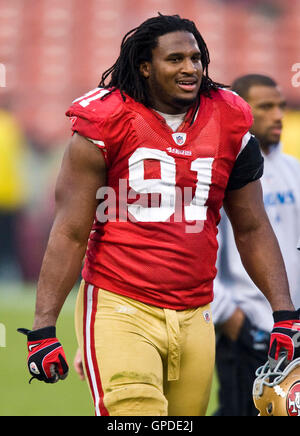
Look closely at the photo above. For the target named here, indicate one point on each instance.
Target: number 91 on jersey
(166, 199)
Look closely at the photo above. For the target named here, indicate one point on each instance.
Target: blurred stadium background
(52, 51)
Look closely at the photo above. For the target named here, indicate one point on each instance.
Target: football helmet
(276, 392)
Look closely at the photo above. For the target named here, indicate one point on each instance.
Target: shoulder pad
(236, 103)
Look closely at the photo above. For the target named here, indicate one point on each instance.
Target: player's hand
(46, 358)
(285, 337)
(78, 365)
(232, 327)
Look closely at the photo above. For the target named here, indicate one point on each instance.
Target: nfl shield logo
(179, 138)
(206, 316)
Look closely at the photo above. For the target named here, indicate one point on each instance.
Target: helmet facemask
(276, 391)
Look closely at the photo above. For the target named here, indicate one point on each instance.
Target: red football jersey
(154, 236)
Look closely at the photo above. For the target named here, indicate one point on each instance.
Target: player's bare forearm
(263, 262)
(82, 173)
(258, 245)
(60, 271)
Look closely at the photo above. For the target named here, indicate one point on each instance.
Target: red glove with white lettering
(46, 359)
(285, 337)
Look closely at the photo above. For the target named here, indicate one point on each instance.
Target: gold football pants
(142, 360)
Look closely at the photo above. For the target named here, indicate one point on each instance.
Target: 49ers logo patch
(293, 400)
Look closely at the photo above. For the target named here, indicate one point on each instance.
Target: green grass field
(18, 397)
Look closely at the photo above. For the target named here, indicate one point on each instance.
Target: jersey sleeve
(88, 129)
(85, 117)
(249, 165)
(249, 162)
(89, 115)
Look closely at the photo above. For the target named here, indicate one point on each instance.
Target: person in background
(242, 315)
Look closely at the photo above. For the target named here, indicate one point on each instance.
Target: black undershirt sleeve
(248, 167)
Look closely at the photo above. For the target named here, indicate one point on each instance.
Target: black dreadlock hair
(137, 46)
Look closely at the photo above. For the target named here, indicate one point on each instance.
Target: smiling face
(174, 75)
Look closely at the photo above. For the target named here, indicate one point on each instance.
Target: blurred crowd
(46, 70)
(27, 180)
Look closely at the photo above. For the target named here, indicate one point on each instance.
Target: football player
(169, 146)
